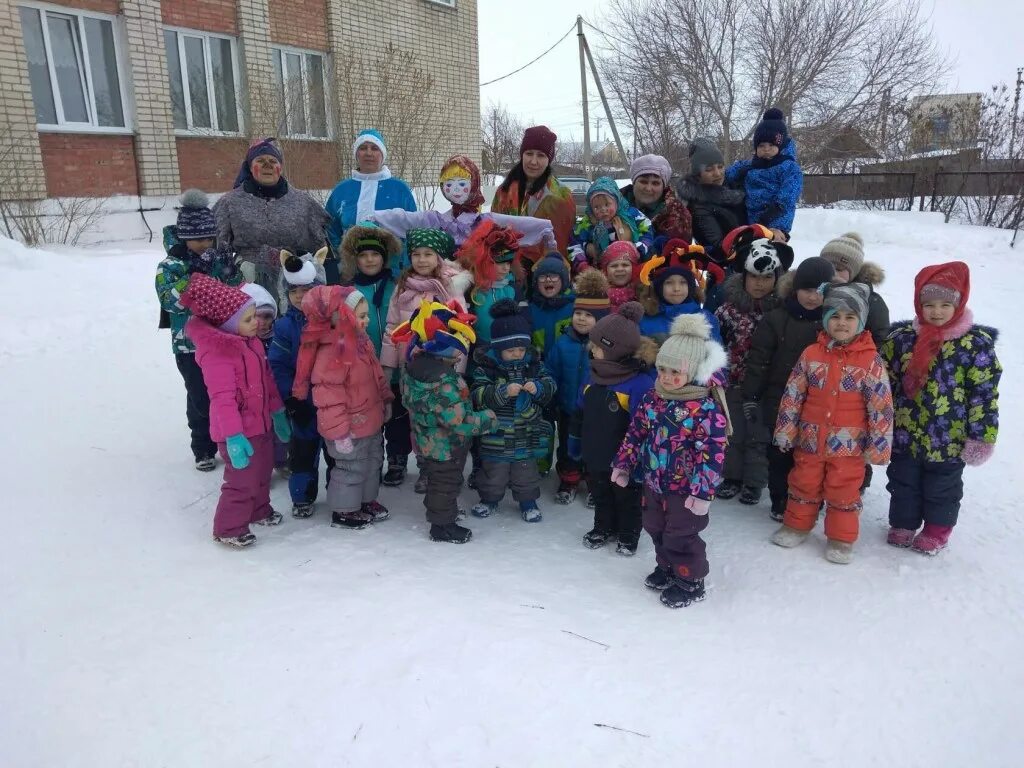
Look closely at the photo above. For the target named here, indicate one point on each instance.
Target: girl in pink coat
(352, 397)
(245, 407)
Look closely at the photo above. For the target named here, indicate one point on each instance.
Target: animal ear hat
(681, 258)
(307, 269)
(737, 244)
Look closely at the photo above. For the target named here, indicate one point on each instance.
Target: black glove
(299, 411)
(203, 262)
(752, 411)
(226, 267)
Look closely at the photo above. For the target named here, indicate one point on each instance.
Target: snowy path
(130, 639)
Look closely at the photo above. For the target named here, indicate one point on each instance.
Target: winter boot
(302, 509)
(596, 539)
(244, 540)
(750, 495)
(789, 537)
(778, 508)
(566, 494)
(900, 537)
(274, 518)
(353, 521)
(396, 471)
(659, 578)
(530, 511)
(375, 510)
(421, 483)
(682, 592)
(453, 533)
(626, 546)
(484, 509)
(589, 503)
(840, 552)
(728, 489)
(932, 539)
(206, 463)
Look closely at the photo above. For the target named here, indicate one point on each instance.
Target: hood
(870, 274)
(647, 352)
(784, 285)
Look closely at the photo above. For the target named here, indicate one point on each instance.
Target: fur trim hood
(734, 292)
(350, 246)
(870, 274)
(647, 352)
(784, 285)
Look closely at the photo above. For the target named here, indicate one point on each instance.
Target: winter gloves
(976, 453)
(282, 428)
(239, 451)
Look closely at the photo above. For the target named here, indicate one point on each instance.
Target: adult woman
(263, 214)
(371, 188)
(651, 194)
(531, 189)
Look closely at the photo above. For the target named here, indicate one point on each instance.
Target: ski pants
(444, 479)
(675, 531)
(746, 458)
(197, 405)
(398, 429)
(245, 493)
(779, 466)
(356, 477)
(835, 480)
(304, 462)
(924, 491)
(616, 509)
(494, 477)
(570, 471)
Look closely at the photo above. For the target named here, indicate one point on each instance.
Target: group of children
(656, 404)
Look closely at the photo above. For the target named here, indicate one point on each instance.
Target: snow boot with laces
(243, 540)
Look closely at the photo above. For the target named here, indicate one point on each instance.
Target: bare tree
(502, 134)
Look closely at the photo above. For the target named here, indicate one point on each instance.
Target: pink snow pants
(245, 494)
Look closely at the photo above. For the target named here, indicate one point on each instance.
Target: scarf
(798, 312)
(273, 192)
(380, 280)
(619, 295)
(927, 345)
(697, 392)
(611, 372)
(368, 191)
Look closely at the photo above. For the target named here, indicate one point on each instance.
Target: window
(301, 92)
(73, 68)
(204, 81)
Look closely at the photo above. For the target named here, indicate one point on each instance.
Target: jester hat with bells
(487, 245)
(681, 258)
(750, 248)
(437, 329)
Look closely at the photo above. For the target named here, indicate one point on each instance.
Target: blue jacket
(601, 418)
(658, 326)
(773, 187)
(480, 303)
(283, 354)
(343, 204)
(551, 318)
(569, 363)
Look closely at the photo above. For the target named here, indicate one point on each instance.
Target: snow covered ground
(129, 638)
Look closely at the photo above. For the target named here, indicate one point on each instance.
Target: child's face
(713, 174)
(620, 272)
(424, 260)
(766, 150)
(603, 206)
(502, 269)
(362, 313)
(549, 286)
(248, 325)
(938, 312)
(370, 263)
(842, 325)
(759, 286)
(513, 355)
(675, 290)
(264, 321)
(671, 379)
(198, 246)
(809, 298)
(583, 322)
(596, 352)
(295, 295)
(842, 275)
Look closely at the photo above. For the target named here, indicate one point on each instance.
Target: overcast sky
(982, 35)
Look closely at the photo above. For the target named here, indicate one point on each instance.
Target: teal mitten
(282, 428)
(239, 451)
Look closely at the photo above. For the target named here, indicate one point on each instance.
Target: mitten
(752, 411)
(976, 453)
(344, 446)
(620, 477)
(282, 428)
(300, 411)
(697, 506)
(239, 451)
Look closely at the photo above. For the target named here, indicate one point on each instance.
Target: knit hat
(552, 264)
(690, 349)
(353, 298)
(461, 165)
(652, 164)
(619, 334)
(849, 297)
(845, 252)
(592, 294)
(257, 147)
(261, 296)
(436, 239)
(771, 129)
(215, 302)
(813, 273)
(371, 135)
(944, 282)
(437, 329)
(195, 219)
(704, 152)
(510, 327)
(689, 261)
(301, 271)
(619, 250)
(540, 138)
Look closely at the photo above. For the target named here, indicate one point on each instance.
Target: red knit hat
(541, 138)
(212, 300)
(620, 249)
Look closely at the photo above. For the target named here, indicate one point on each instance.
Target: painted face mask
(457, 190)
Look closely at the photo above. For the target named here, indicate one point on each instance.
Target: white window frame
(277, 50)
(445, 3)
(189, 129)
(65, 126)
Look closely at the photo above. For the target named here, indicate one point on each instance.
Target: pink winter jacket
(349, 388)
(402, 306)
(238, 379)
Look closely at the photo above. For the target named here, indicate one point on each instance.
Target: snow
(130, 639)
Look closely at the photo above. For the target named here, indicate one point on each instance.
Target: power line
(533, 61)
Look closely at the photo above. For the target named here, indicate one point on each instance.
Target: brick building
(148, 97)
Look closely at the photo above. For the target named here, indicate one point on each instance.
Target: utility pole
(600, 90)
(885, 118)
(583, 89)
(1016, 118)
(598, 129)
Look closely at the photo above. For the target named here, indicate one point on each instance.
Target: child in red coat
(835, 413)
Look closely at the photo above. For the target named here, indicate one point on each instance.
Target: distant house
(945, 121)
(605, 158)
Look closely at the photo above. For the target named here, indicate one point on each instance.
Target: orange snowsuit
(836, 412)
